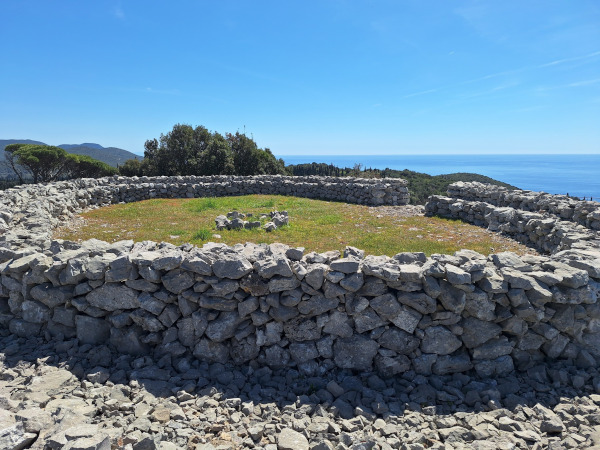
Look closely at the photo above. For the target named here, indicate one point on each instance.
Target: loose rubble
(65, 394)
(234, 220)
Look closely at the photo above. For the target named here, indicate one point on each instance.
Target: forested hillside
(110, 155)
(420, 185)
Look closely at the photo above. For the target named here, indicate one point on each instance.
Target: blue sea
(577, 175)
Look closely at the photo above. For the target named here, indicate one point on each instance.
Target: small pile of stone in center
(235, 220)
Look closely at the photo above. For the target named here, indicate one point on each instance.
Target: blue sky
(307, 77)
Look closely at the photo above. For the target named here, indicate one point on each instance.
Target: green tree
(43, 162)
(178, 152)
(10, 160)
(196, 151)
(245, 158)
(217, 159)
(152, 157)
(82, 166)
(132, 168)
(251, 160)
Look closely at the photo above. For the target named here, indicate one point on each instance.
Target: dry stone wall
(271, 305)
(28, 213)
(586, 213)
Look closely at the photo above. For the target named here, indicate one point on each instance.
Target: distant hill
(5, 142)
(85, 144)
(110, 155)
(422, 185)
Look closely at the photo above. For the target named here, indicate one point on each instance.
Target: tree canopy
(45, 163)
(196, 151)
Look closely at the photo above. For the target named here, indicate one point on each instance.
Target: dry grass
(314, 224)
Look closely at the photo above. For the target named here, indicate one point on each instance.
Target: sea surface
(577, 175)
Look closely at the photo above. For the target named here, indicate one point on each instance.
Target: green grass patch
(314, 224)
(203, 234)
(202, 204)
(328, 219)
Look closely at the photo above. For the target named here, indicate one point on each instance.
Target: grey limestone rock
(385, 306)
(407, 319)
(494, 348)
(146, 320)
(113, 296)
(452, 298)
(35, 312)
(280, 284)
(303, 351)
(338, 325)
(233, 267)
(315, 275)
(452, 364)
(400, 341)
(345, 265)
(390, 366)
(168, 260)
(128, 341)
(440, 341)
(477, 332)
(352, 282)
(456, 275)
(295, 254)
(197, 263)
(51, 296)
(367, 320)
(208, 350)
(91, 330)
(419, 301)
(224, 327)
(268, 268)
(177, 280)
(356, 352)
(289, 439)
(254, 284)
(120, 269)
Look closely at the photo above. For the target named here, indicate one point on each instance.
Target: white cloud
(119, 13)
(415, 94)
(584, 83)
(566, 60)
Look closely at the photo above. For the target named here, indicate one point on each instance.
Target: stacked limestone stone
(544, 231)
(586, 213)
(180, 316)
(276, 306)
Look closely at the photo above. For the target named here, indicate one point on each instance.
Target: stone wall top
(586, 213)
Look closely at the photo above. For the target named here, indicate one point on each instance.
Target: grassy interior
(314, 224)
